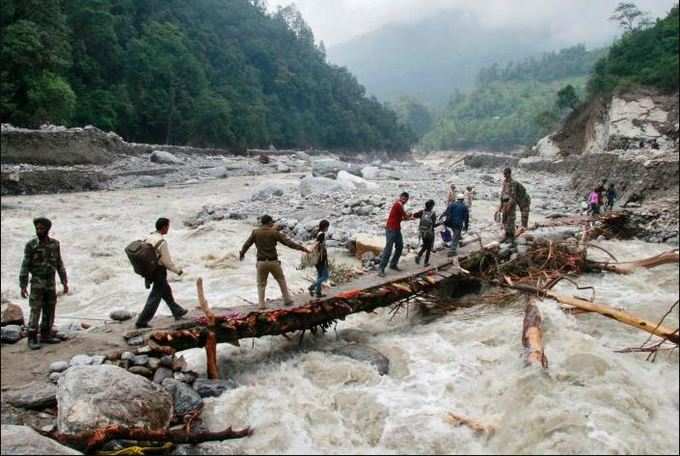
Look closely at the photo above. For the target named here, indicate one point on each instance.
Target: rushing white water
(304, 399)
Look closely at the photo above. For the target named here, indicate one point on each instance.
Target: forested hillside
(645, 56)
(203, 72)
(515, 104)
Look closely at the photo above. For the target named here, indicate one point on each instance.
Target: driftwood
(210, 339)
(90, 441)
(627, 267)
(610, 312)
(532, 336)
(460, 420)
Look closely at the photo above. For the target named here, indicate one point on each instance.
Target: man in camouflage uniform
(42, 258)
(513, 194)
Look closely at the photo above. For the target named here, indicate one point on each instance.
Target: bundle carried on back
(143, 257)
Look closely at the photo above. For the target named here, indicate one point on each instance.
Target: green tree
(50, 99)
(567, 98)
(629, 16)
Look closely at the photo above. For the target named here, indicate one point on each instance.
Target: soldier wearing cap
(42, 258)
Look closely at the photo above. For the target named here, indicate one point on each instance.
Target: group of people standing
(455, 219)
(42, 255)
(596, 199)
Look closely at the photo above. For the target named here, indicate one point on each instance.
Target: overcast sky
(571, 21)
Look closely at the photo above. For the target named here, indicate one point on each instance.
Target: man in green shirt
(42, 258)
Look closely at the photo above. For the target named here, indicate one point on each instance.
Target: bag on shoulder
(426, 223)
(143, 257)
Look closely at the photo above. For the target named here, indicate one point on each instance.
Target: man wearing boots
(42, 258)
(513, 194)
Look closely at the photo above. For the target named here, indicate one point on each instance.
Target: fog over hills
(430, 58)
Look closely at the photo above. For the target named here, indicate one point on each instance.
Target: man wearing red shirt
(393, 236)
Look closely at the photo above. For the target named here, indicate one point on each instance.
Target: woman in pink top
(594, 201)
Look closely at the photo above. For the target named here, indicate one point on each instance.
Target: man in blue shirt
(457, 219)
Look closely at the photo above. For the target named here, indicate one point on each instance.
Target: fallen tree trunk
(619, 315)
(321, 313)
(670, 257)
(89, 442)
(532, 336)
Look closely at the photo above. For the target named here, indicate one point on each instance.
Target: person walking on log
(457, 219)
(428, 222)
(160, 288)
(265, 239)
(611, 197)
(42, 258)
(393, 237)
(322, 270)
(513, 194)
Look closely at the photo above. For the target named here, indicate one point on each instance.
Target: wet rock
(217, 172)
(91, 397)
(35, 396)
(281, 168)
(356, 182)
(322, 185)
(154, 363)
(186, 400)
(268, 193)
(120, 315)
(185, 377)
(370, 172)
(328, 167)
(80, 360)
(365, 353)
(98, 359)
(141, 370)
(58, 366)
(139, 360)
(161, 374)
(212, 388)
(25, 440)
(126, 355)
(135, 341)
(163, 157)
(12, 315)
(10, 334)
(166, 361)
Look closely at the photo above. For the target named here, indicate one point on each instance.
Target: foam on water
(468, 361)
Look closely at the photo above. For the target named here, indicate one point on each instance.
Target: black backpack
(427, 222)
(144, 257)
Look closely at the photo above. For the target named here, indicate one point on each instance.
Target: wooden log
(607, 311)
(458, 420)
(90, 441)
(211, 356)
(532, 336)
(627, 267)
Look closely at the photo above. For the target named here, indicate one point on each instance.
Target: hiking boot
(182, 313)
(395, 268)
(49, 339)
(142, 325)
(381, 273)
(319, 295)
(311, 290)
(417, 259)
(426, 265)
(33, 343)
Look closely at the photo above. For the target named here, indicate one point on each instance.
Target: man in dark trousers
(161, 288)
(265, 239)
(457, 219)
(42, 258)
(393, 237)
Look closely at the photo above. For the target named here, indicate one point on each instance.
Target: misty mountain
(428, 59)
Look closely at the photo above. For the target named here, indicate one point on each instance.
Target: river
(305, 400)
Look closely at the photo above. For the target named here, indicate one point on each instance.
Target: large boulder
(24, 440)
(90, 397)
(268, 193)
(328, 167)
(357, 182)
(367, 354)
(163, 157)
(370, 172)
(186, 400)
(35, 395)
(322, 185)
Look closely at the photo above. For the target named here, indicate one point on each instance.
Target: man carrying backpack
(159, 277)
(428, 222)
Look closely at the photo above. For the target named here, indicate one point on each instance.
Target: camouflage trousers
(524, 211)
(509, 219)
(42, 300)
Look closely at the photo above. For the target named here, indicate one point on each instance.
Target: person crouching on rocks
(161, 288)
(42, 257)
(322, 270)
(265, 239)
